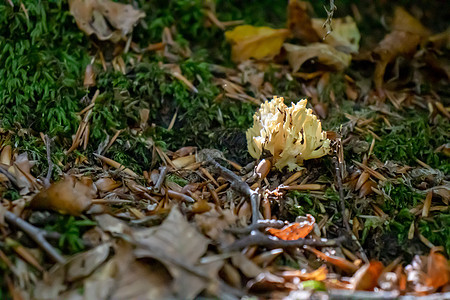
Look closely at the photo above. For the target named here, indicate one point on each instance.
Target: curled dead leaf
(366, 278)
(69, 196)
(107, 19)
(299, 21)
(438, 271)
(325, 54)
(407, 34)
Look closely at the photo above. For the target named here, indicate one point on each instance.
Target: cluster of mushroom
(291, 134)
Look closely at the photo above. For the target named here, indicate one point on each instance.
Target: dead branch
(261, 239)
(38, 235)
(162, 176)
(261, 224)
(48, 141)
(240, 186)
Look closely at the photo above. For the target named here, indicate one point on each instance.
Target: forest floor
(145, 152)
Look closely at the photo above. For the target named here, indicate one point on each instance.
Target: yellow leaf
(255, 42)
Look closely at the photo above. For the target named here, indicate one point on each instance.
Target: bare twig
(240, 186)
(329, 19)
(48, 141)
(8, 175)
(339, 168)
(261, 239)
(160, 181)
(38, 235)
(261, 224)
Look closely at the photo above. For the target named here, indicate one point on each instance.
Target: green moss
(41, 72)
(414, 138)
(71, 229)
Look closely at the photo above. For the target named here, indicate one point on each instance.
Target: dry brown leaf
(69, 196)
(107, 184)
(255, 42)
(406, 35)
(299, 22)
(180, 241)
(21, 169)
(107, 19)
(325, 55)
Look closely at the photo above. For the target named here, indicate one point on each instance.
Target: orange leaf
(437, 270)
(320, 274)
(366, 278)
(339, 262)
(294, 231)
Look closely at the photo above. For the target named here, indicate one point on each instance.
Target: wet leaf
(294, 231)
(255, 42)
(325, 54)
(107, 19)
(69, 196)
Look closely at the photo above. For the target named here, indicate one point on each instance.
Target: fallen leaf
(299, 22)
(255, 42)
(178, 245)
(406, 35)
(85, 263)
(366, 278)
(437, 270)
(320, 274)
(325, 55)
(294, 231)
(344, 37)
(107, 19)
(339, 262)
(69, 196)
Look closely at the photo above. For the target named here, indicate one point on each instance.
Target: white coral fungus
(291, 134)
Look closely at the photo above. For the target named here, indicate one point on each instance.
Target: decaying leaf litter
(306, 216)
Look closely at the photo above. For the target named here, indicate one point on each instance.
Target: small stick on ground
(339, 168)
(240, 186)
(38, 235)
(261, 224)
(48, 141)
(160, 181)
(261, 239)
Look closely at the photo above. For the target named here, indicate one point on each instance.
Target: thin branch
(49, 160)
(160, 181)
(8, 175)
(38, 235)
(240, 186)
(261, 239)
(261, 224)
